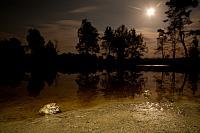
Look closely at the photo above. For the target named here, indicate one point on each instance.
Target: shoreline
(115, 117)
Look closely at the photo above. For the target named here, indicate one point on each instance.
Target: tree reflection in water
(122, 84)
(87, 87)
(171, 86)
(193, 79)
(38, 79)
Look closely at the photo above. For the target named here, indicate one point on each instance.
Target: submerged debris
(50, 108)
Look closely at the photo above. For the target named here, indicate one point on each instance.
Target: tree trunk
(174, 38)
(162, 47)
(109, 49)
(182, 38)
(174, 49)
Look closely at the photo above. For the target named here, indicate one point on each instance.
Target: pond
(22, 99)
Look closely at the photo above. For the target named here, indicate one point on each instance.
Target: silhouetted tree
(107, 40)
(12, 61)
(11, 49)
(50, 45)
(88, 38)
(50, 52)
(161, 42)
(178, 16)
(195, 32)
(127, 44)
(120, 41)
(193, 51)
(136, 45)
(35, 41)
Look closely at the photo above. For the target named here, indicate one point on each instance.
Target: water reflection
(193, 79)
(10, 75)
(171, 86)
(168, 86)
(87, 87)
(153, 90)
(38, 79)
(122, 84)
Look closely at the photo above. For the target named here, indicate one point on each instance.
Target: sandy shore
(114, 117)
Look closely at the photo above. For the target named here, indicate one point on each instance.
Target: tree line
(12, 51)
(121, 43)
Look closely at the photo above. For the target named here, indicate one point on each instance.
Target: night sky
(60, 19)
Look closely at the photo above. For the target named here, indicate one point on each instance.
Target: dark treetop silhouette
(178, 17)
(88, 38)
(123, 43)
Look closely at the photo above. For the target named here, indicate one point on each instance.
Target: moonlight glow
(150, 12)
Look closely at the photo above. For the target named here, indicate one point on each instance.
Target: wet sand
(115, 117)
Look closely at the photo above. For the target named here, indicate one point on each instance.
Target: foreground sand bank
(114, 117)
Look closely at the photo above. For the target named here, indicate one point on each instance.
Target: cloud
(195, 25)
(63, 31)
(4, 35)
(69, 22)
(160, 3)
(150, 36)
(61, 24)
(19, 35)
(137, 8)
(83, 9)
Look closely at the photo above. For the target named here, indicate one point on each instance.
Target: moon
(150, 11)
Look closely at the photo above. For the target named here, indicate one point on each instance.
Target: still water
(23, 99)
